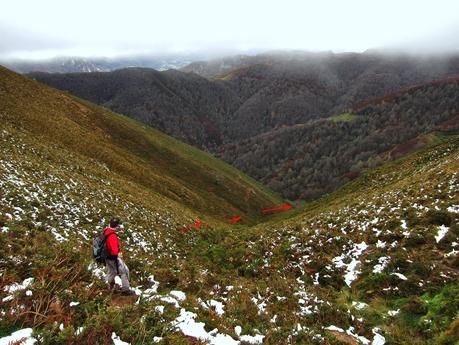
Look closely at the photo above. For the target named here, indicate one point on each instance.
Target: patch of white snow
(23, 335)
(401, 276)
(378, 338)
(442, 231)
(117, 341)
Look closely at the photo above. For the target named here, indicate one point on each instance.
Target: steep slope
(307, 160)
(374, 261)
(154, 161)
(377, 259)
(185, 106)
(269, 97)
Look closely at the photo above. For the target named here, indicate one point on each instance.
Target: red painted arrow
(235, 219)
(197, 224)
(282, 208)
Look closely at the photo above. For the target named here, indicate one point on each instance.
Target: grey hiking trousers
(115, 268)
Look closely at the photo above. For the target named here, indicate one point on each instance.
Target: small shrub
(392, 224)
(167, 278)
(450, 336)
(415, 240)
(411, 217)
(373, 284)
(438, 217)
(414, 305)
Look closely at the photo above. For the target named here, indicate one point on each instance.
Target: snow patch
(179, 295)
(117, 341)
(216, 304)
(257, 339)
(378, 338)
(23, 335)
(238, 330)
(442, 231)
(334, 328)
(170, 300)
(393, 312)
(96, 271)
(7, 298)
(187, 324)
(349, 331)
(359, 305)
(383, 261)
(380, 244)
(351, 268)
(261, 305)
(401, 276)
(16, 286)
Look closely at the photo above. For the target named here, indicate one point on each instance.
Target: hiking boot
(128, 292)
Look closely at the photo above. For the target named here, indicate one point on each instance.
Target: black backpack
(99, 249)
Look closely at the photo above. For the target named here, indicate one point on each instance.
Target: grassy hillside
(377, 256)
(375, 261)
(145, 156)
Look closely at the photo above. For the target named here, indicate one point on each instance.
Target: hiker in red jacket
(115, 265)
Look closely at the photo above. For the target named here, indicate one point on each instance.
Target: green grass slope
(345, 117)
(145, 156)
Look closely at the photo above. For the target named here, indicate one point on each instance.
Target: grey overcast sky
(47, 28)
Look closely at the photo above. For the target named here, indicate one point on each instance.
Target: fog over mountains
(94, 64)
(271, 115)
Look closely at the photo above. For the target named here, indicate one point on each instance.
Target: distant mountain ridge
(88, 65)
(215, 68)
(233, 114)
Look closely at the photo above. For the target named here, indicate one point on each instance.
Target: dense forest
(270, 116)
(307, 160)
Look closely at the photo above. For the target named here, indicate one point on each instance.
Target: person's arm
(116, 245)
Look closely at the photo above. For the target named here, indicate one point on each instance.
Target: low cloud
(110, 28)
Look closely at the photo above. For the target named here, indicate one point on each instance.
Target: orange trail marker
(282, 208)
(197, 224)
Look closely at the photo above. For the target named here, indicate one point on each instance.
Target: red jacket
(112, 243)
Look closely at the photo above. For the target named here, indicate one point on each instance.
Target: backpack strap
(108, 235)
